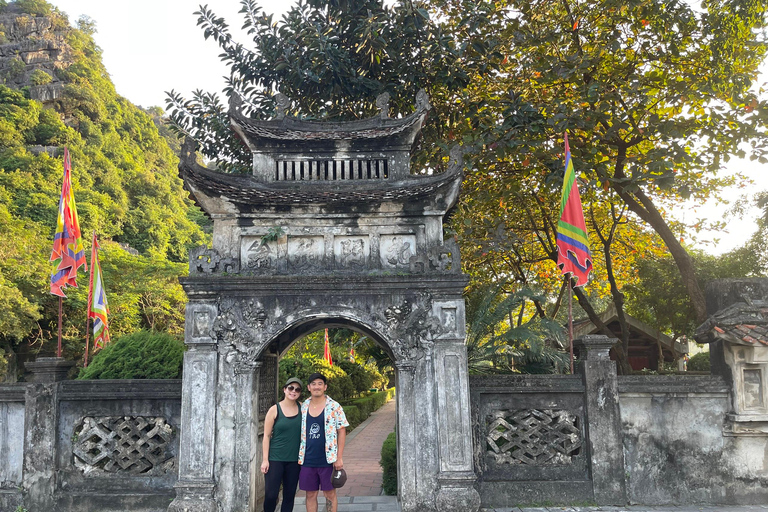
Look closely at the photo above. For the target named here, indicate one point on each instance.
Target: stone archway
(331, 227)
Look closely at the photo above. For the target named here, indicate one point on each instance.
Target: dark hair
(316, 376)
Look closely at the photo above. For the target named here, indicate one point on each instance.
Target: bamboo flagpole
(90, 300)
(573, 255)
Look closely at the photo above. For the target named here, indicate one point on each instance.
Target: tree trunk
(643, 206)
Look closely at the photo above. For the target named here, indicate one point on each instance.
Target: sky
(150, 47)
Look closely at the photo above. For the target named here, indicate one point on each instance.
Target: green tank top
(286, 437)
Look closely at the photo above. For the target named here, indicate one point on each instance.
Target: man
(323, 433)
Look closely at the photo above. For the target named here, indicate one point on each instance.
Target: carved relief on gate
(305, 253)
(258, 254)
(396, 251)
(352, 252)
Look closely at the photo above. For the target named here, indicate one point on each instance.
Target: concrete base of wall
(508, 494)
(10, 499)
(92, 502)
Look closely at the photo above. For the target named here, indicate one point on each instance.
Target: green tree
(126, 187)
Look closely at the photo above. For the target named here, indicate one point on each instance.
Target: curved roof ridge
(292, 128)
(246, 189)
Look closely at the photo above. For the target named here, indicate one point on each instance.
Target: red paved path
(363, 452)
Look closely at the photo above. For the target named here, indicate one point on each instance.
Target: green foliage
(15, 67)
(140, 355)
(340, 386)
(126, 187)
(361, 379)
(353, 416)
(659, 297)
(495, 344)
(40, 77)
(388, 464)
(36, 7)
(699, 362)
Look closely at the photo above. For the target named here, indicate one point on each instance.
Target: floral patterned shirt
(335, 419)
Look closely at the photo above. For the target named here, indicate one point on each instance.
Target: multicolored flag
(68, 254)
(327, 350)
(573, 255)
(97, 300)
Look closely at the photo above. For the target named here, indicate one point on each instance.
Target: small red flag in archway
(327, 350)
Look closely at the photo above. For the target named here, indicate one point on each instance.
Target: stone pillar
(407, 436)
(456, 477)
(603, 422)
(245, 407)
(195, 487)
(49, 369)
(40, 434)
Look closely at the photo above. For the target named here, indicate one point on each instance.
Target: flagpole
(90, 302)
(570, 318)
(61, 306)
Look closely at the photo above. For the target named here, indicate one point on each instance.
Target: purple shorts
(312, 479)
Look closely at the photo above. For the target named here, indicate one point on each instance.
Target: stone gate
(331, 229)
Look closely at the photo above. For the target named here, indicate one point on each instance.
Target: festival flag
(573, 255)
(68, 254)
(97, 300)
(327, 350)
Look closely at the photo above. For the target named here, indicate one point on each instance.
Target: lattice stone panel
(538, 437)
(129, 444)
(267, 381)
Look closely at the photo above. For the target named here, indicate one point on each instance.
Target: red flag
(327, 350)
(573, 255)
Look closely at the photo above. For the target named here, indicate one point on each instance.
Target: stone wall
(677, 447)
(596, 437)
(89, 445)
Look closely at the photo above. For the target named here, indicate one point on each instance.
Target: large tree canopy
(656, 96)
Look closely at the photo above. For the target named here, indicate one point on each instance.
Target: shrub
(388, 464)
(40, 77)
(699, 362)
(378, 379)
(353, 416)
(361, 379)
(140, 355)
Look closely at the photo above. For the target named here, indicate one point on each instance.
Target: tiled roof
(288, 128)
(247, 190)
(742, 323)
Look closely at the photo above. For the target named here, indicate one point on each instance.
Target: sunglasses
(291, 389)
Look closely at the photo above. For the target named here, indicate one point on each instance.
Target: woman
(282, 436)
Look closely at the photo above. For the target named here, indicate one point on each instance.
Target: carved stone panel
(258, 255)
(305, 253)
(537, 437)
(450, 315)
(753, 388)
(352, 252)
(396, 251)
(123, 444)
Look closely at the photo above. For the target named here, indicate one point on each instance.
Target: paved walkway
(362, 453)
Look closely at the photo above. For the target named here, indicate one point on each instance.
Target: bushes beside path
(359, 409)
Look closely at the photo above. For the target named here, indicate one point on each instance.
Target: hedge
(358, 410)
(699, 362)
(388, 464)
(140, 355)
